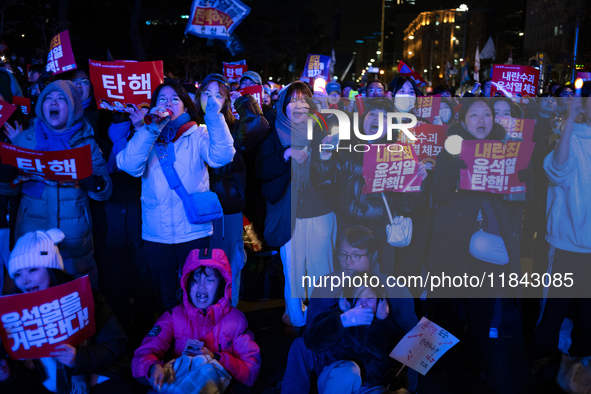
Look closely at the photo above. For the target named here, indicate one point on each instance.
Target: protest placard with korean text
(518, 128)
(118, 85)
(316, 66)
(60, 58)
(390, 168)
(216, 18)
(422, 346)
(256, 91)
(6, 110)
(493, 166)
(234, 71)
(24, 103)
(33, 324)
(427, 107)
(64, 166)
(429, 142)
(514, 80)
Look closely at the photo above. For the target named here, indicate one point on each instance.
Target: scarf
(86, 103)
(294, 136)
(49, 140)
(171, 129)
(118, 133)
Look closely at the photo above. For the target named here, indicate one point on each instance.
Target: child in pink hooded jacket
(207, 315)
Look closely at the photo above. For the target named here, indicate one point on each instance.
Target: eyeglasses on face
(216, 95)
(376, 90)
(354, 257)
(81, 81)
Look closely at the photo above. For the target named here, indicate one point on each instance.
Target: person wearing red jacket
(207, 315)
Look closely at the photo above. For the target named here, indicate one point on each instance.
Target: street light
(378, 52)
(521, 34)
(438, 67)
(372, 60)
(382, 72)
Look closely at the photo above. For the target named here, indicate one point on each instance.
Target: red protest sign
(6, 110)
(429, 142)
(427, 107)
(33, 324)
(518, 128)
(64, 166)
(24, 103)
(510, 79)
(493, 166)
(60, 58)
(119, 84)
(256, 91)
(390, 168)
(234, 71)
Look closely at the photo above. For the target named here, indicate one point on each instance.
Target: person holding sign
(99, 363)
(60, 126)
(172, 135)
(205, 332)
(457, 217)
(230, 181)
(349, 346)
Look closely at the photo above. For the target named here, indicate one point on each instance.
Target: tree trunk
(134, 35)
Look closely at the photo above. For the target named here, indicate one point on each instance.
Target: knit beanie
(253, 76)
(37, 249)
(70, 92)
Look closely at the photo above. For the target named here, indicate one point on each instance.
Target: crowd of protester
(130, 219)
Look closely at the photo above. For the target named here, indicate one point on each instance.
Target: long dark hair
(183, 95)
(498, 132)
(398, 82)
(301, 89)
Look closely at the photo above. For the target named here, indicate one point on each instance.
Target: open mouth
(54, 114)
(31, 289)
(375, 128)
(202, 298)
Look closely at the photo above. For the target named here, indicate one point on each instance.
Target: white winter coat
(163, 215)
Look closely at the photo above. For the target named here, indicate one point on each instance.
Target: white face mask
(404, 103)
(445, 115)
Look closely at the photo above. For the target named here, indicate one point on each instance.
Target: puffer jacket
(221, 327)
(163, 214)
(341, 178)
(63, 207)
(229, 181)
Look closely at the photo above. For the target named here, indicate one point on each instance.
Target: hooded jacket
(164, 219)
(63, 207)
(221, 327)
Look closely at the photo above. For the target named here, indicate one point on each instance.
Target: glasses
(173, 101)
(354, 257)
(81, 81)
(373, 91)
(217, 95)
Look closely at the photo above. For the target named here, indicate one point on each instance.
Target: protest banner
(511, 80)
(256, 91)
(316, 66)
(234, 71)
(422, 346)
(493, 166)
(24, 103)
(63, 166)
(518, 128)
(120, 84)
(391, 167)
(6, 110)
(33, 324)
(427, 107)
(429, 142)
(60, 57)
(216, 18)
(403, 69)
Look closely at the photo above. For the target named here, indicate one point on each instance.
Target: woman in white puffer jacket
(166, 230)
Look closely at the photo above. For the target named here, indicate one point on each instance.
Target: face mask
(445, 115)
(404, 103)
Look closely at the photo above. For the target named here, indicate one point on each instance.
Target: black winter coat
(455, 221)
(368, 346)
(229, 181)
